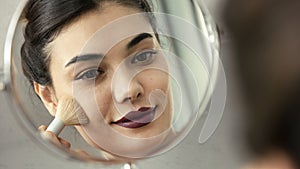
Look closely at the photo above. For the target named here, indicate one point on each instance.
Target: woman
(77, 48)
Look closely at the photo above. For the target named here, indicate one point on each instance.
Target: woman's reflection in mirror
(55, 33)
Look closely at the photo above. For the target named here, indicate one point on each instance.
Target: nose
(126, 88)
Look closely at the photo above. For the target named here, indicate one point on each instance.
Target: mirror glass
(139, 80)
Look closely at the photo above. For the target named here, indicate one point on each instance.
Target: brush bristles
(70, 112)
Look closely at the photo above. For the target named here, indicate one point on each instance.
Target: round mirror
(120, 81)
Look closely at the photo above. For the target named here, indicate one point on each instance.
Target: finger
(49, 136)
(42, 128)
(64, 143)
(58, 141)
(82, 153)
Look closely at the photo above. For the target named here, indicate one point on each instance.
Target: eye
(90, 74)
(145, 57)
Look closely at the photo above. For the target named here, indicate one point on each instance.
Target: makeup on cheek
(69, 112)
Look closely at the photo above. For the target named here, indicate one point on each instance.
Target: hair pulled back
(45, 20)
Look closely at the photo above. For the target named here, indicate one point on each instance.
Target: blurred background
(224, 150)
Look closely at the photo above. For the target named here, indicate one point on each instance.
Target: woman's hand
(61, 143)
(80, 154)
(49, 136)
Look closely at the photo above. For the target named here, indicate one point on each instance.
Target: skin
(69, 43)
(276, 159)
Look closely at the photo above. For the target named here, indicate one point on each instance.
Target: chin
(151, 130)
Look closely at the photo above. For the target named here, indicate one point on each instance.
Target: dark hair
(45, 20)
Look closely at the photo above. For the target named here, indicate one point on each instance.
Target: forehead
(71, 41)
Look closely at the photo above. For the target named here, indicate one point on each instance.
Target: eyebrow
(85, 57)
(88, 57)
(138, 39)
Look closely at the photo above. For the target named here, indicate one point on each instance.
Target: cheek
(103, 97)
(61, 82)
(85, 136)
(62, 87)
(154, 79)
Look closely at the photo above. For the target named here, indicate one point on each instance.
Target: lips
(137, 119)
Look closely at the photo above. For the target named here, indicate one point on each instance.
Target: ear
(47, 95)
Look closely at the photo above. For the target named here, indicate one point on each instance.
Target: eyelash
(149, 54)
(83, 75)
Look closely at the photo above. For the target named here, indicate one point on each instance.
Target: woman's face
(123, 82)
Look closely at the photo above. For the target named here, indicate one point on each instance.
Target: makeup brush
(69, 112)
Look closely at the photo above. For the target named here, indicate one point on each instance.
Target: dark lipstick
(137, 119)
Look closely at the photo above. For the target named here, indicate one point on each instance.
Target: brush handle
(56, 126)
